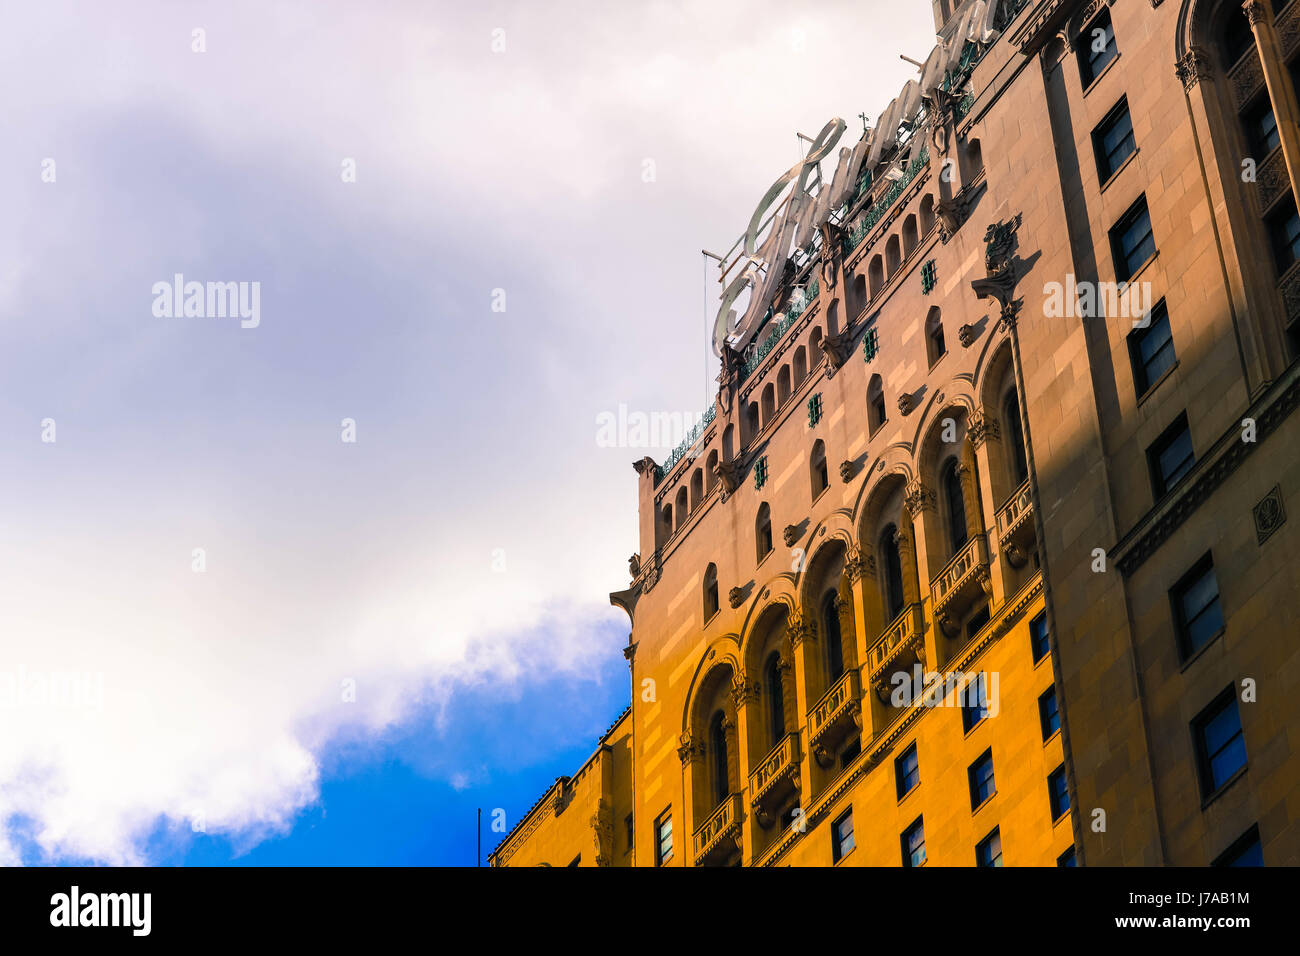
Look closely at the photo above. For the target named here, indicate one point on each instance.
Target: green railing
(798, 306)
(858, 233)
(691, 438)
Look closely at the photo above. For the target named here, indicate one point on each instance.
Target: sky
(312, 583)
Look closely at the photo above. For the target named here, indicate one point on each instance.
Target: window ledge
(1196, 654)
(1140, 269)
(1120, 168)
(984, 803)
(1092, 85)
(1223, 787)
(1055, 733)
(1150, 389)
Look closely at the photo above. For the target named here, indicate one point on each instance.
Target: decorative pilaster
(983, 427)
(689, 749)
(799, 628)
(918, 498)
(1194, 66)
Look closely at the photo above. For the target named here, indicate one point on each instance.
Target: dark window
(1096, 47)
(977, 621)
(1220, 746)
(980, 774)
(631, 830)
(1066, 858)
(974, 707)
(1245, 851)
(907, 772)
(576, 860)
(989, 850)
(914, 844)
(1237, 35)
(776, 698)
(842, 836)
(718, 744)
(1048, 713)
(763, 531)
(1284, 232)
(1058, 792)
(1112, 140)
(850, 752)
(1151, 349)
(834, 644)
(893, 566)
(710, 591)
(1016, 434)
(1261, 129)
(1131, 240)
(1197, 615)
(1038, 642)
(1171, 456)
(956, 502)
(820, 476)
(875, 404)
(934, 344)
(664, 839)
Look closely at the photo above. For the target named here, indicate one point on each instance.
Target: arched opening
(783, 385)
(774, 689)
(892, 256)
(927, 214)
(800, 365)
(955, 506)
(683, 508)
(718, 752)
(751, 423)
(710, 591)
(697, 488)
(769, 403)
(817, 466)
(891, 564)
(875, 404)
(815, 348)
(934, 344)
(711, 471)
(763, 531)
(833, 318)
(858, 302)
(910, 235)
(1016, 437)
(728, 444)
(876, 275)
(972, 161)
(830, 610)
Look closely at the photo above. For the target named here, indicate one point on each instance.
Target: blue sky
(329, 650)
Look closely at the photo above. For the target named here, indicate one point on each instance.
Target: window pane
(1038, 636)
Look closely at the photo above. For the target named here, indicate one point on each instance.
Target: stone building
(1020, 416)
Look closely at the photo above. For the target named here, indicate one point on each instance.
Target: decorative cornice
(744, 689)
(919, 497)
(983, 428)
(799, 628)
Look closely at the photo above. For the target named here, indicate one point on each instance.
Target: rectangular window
(1151, 349)
(1112, 140)
(1038, 643)
(1096, 47)
(980, 775)
(1049, 716)
(1220, 745)
(1245, 851)
(1066, 858)
(989, 850)
(1261, 129)
(977, 622)
(1284, 233)
(974, 706)
(869, 347)
(814, 410)
(1171, 456)
(907, 772)
(913, 841)
(1058, 793)
(664, 835)
(628, 826)
(1198, 619)
(1131, 241)
(842, 836)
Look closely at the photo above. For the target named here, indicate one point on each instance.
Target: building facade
(981, 555)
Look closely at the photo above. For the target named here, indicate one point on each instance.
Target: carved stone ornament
(1000, 242)
(856, 564)
(1254, 11)
(832, 242)
(952, 213)
(735, 597)
(688, 749)
(983, 427)
(650, 575)
(847, 471)
(644, 466)
(743, 690)
(1015, 555)
(917, 498)
(1194, 66)
(1269, 514)
(790, 534)
(966, 335)
(634, 566)
(906, 403)
(837, 349)
(800, 628)
(728, 475)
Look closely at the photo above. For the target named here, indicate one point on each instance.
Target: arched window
(710, 591)
(892, 565)
(833, 319)
(927, 214)
(875, 404)
(876, 275)
(728, 444)
(893, 258)
(817, 465)
(815, 348)
(956, 504)
(831, 628)
(763, 531)
(697, 488)
(769, 403)
(710, 468)
(783, 384)
(800, 365)
(1016, 435)
(683, 508)
(910, 236)
(859, 300)
(934, 345)
(751, 423)
(668, 519)
(718, 745)
(775, 697)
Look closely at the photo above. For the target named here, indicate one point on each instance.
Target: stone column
(1286, 113)
(746, 696)
(802, 634)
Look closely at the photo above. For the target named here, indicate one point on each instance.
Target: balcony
(960, 584)
(719, 837)
(901, 646)
(837, 714)
(1016, 526)
(775, 779)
